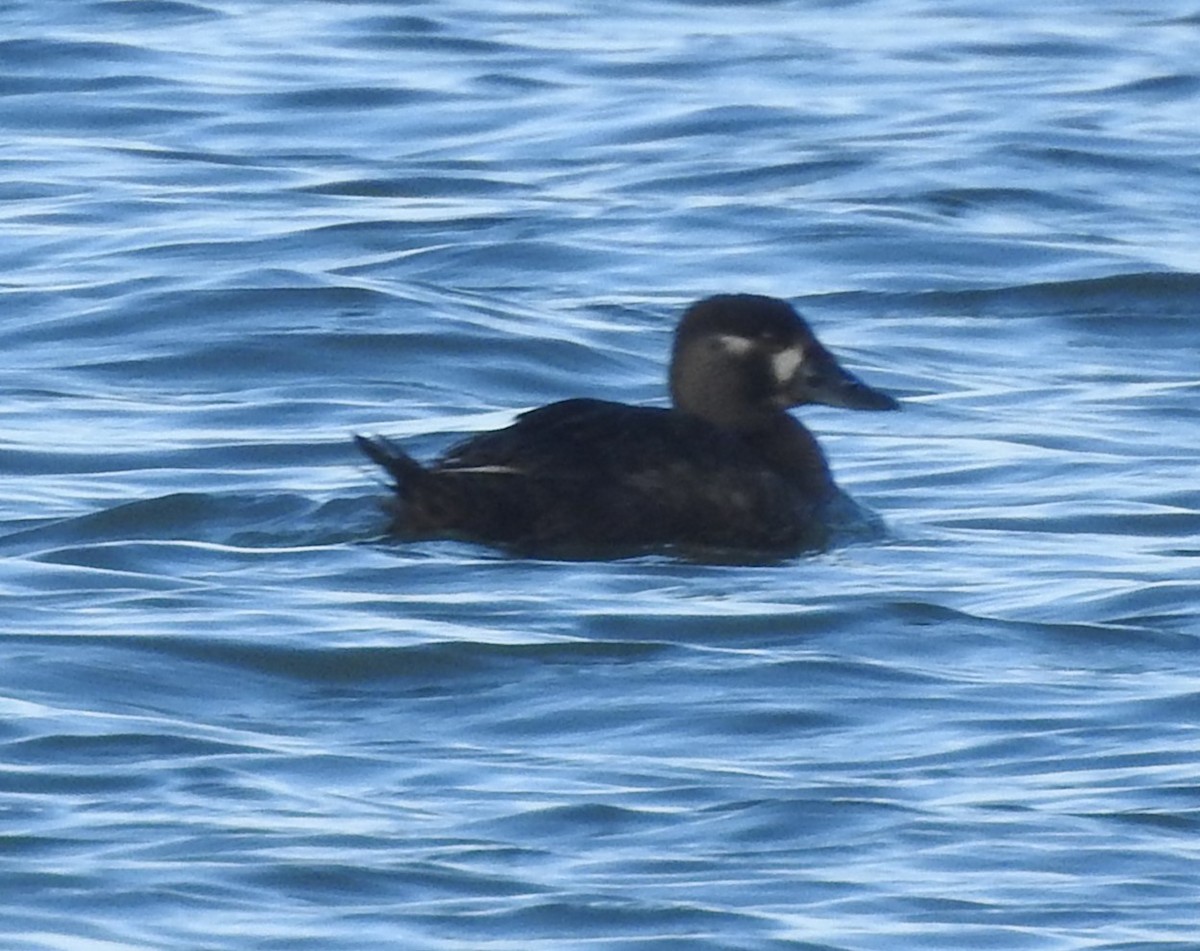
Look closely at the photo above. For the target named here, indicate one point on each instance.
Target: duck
(726, 467)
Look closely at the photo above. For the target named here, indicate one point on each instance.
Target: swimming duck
(726, 467)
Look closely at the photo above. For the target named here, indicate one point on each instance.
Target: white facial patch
(786, 362)
(735, 345)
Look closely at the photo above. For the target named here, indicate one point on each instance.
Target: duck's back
(582, 473)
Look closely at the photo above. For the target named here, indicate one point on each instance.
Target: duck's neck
(788, 447)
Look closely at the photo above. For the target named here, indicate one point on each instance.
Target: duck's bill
(855, 394)
(822, 380)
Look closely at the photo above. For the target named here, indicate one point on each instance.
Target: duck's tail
(391, 458)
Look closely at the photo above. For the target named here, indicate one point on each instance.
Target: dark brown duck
(725, 467)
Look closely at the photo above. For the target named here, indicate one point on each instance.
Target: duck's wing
(590, 472)
(586, 439)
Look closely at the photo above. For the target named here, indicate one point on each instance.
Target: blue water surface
(232, 716)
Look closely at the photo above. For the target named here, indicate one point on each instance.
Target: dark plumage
(725, 467)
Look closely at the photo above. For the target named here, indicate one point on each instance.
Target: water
(236, 233)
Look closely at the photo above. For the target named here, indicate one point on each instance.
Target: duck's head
(740, 359)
